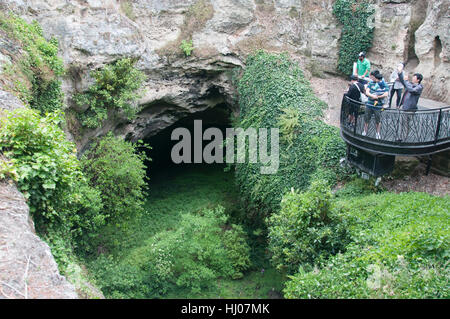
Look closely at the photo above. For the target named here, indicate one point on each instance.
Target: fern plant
(187, 47)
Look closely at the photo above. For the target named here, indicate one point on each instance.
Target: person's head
(362, 56)
(378, 77)
(353, 78)
(417, 78)
(373, 75)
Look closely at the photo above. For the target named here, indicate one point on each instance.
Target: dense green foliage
(49, 173)
(273, 93)
(306, 229)
(194, 254)
(180, 244)
(399, 249)
(116, 169)
(357, 31)
(150, 260)
(34, 74)
(116, 89)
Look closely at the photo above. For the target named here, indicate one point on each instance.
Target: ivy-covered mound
(273, 93)
(396, 245)
(356, 17)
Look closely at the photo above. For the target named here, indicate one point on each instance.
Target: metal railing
(397, 127)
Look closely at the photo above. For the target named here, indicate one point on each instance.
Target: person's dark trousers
(408, 118)
(399, 96)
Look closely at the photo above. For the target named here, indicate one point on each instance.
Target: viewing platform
(424, 132)
(420, 133)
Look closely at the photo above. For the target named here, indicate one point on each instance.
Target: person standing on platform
(413, 90)
(397, 87)
(354, 93)
(363, 68)
(376, 91)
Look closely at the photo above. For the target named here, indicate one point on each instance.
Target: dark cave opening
(161, 144)
(437, 46)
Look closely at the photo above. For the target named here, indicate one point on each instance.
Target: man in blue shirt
(377, 90)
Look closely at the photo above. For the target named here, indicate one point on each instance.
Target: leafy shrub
(120, 280)
(358, 187)
(400, 249)
(357, 36)
(306, 229)
(237, 249)
(193, 255)
(7, 169)
(273, 93)
(49, 173)
(115, 89)
(115, 168)
(35, 73)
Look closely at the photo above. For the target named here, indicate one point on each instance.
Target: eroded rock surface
(27, 267)
(92, 33)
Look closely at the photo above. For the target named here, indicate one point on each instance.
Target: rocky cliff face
(27, 267)
(93, 32)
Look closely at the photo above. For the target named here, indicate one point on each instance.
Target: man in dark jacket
(413, 90)
(354, 94)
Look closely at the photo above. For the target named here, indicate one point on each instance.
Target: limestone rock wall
(94, 32)
(27, 267)
(433, 50)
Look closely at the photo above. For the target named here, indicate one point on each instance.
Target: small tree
(306, 229)
(115, 168)
(116, 88)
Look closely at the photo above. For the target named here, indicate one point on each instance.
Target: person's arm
(408, 86)
(386, 90)
(372, 96)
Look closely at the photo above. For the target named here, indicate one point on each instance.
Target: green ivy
(192, 256)
(273, 93)
(116, 89)
(35, 73)
(357, 36)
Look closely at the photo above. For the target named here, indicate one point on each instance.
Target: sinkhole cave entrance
(162, 164)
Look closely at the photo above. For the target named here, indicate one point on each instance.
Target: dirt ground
(330, 90)
(409, 174)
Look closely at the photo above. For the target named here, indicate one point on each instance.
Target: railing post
(438, 128)
(398, 126)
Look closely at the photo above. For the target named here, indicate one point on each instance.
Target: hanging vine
(357, 32)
